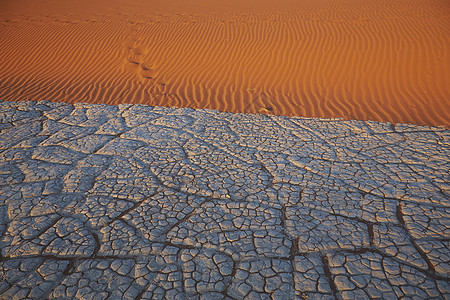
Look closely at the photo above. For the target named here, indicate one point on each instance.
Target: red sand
(370, 59)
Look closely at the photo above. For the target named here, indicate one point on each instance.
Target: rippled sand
(369, 60)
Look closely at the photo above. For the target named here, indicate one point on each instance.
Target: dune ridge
(368, 60)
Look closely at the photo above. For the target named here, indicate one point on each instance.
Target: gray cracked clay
(133, 201)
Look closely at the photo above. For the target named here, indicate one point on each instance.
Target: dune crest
(369, 60)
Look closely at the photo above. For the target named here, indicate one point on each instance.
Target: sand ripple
(370, 60)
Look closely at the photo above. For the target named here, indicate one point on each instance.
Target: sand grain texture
(370, 60)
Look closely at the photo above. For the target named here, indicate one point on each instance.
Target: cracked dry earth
(133, 201)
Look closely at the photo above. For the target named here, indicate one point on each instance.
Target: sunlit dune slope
(370, 59)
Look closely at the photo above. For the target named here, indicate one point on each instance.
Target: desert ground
(142, 202)
(224, 149)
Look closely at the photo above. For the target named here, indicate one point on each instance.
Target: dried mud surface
(133, 201)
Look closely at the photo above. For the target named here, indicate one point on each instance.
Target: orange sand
(377, 60)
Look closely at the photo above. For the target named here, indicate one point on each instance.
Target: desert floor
(148, 202)
(239, 149)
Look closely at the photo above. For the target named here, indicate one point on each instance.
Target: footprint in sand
(134, 60)
(160, 88)
(140, 50)
(146, 71)
(135, 52)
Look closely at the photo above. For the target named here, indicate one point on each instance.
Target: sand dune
(372, 60)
